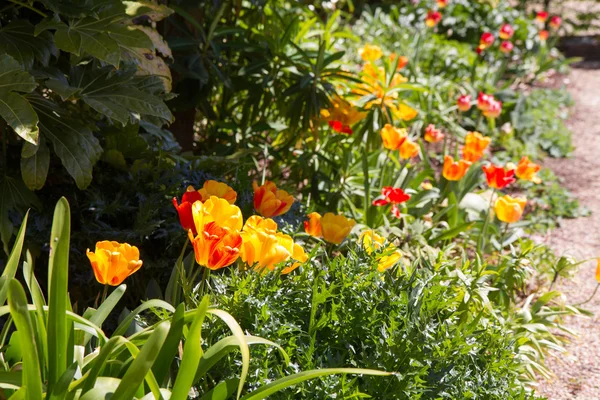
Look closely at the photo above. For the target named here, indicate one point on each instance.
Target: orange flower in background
(486, 40)
(433, 135)
(112, 262)
(544, 35)
(498, 177)
(342, 115)
(402, 61)
(370, 52)
(409, 149)
(404, 112)
(541, 16)
(464, 103)
(527, 170)
(393, 137)
(184, 210)
(371, 242)
(217, 189)
(269, 201)
(216, 210)
(475, 145)
(433, 18)
(336, 228)
(454, 171)
(215, 246)
(506, 47)
(313, 225)
(598, 271)
(555, 22)
(263, 247)
(442, 3)
(506, 32)
(509, 209)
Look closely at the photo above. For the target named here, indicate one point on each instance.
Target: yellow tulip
(218, 210)
(510, 209)
(112, 262)
(371, 241)
(370, 52)
(336, 228)
(409, 149)
(218, 189)
(269, 201)
(313, 225)
(393, 137)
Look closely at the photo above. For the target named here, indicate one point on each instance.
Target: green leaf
(283, 383)
(170, 348)
(68, 40)
(13, 194)
(17, 301)
(138, 369)
(58, 271)
(129, 36)
(222, 391)
(12, 76)
(34, 169)
(19, 114)
(17, 39)
(102, 47)
(73, 142)
(122, 328)
(105, 309)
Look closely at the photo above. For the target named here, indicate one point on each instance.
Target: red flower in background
(433, 18)
(506, 47)
(555, 22)
(498, 177)
(184, 209)
(506, 32)
(464, 103)
(340, 128)
(390, 195)
(544, 35)
(486, 40)
(541, 16)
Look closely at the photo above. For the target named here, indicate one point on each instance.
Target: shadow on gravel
(585, 47)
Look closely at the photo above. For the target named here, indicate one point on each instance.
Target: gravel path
(578, 374)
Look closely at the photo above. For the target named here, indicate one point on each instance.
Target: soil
(577, 375)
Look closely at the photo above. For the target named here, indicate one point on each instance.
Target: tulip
(371, 242)
(409, 149)
(433, 18)
(464, 103)
(506, 47)
(404, 112)
(527, 170)
(218, 189)
(336, 228)
(263, 247)
(475, 145)
(112, 262)
(494, 109)
(342, 115)
(370, 52)
(391, 195)
(486, 40)
(402, 61)
(393, 137)
(544, 35)
(555, 22)
(506, 32)
(216, 210)
(215, 246)
(269, 201)
(484, 101)
(433, 135)
(509, 209)
(185, 208)
(541, 16)
(454, 171)
(442, 3)
(313, 225)
(498, 177)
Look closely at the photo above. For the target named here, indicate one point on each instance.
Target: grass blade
(122, 328)
(169, 350)
(10, 269)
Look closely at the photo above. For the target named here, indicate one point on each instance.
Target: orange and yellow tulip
(543, 35)
(269, 201)
(371, 242)
(527, 170)
(335, 228)
(475, 145)
(432, 134)
(498, 177)
(184, 210)
(393, 137)
(342, 115)
(509, 209)
(215, 246)
(112, 262)
(313, 225)
(454, 171)
(218, 189)
(370, 52)
(409, 149)
(433, 18)
(219, 211)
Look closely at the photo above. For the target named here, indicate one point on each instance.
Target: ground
(578, 374)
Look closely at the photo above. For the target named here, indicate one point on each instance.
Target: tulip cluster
(554, 24)
(397, 139)
(331, 227)
(489, 106)
(387, 256)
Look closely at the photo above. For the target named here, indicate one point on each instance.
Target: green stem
(481, 241)
(20, 3)
(590, 298)
(104, 293)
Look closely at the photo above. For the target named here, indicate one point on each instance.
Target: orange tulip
(185, 208)
(218, 189)
(112, 262)
(269, 201)
(263, 247)
(527, 170)
(216, 247)
(409, 149)
(544, 35)
(475, 145)
(313, 225)
(219, 211)
(598, 271)
(498, 177)
(370, 52)
(402, 61)
(433, 135)
(342, 115)
(393, 137)
(371, 242)
(509, 209)
(454, 171)
(336, 228)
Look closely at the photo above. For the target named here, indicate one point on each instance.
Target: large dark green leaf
(34, 169)
(73, 142)
(13, 193)
(17, 40)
